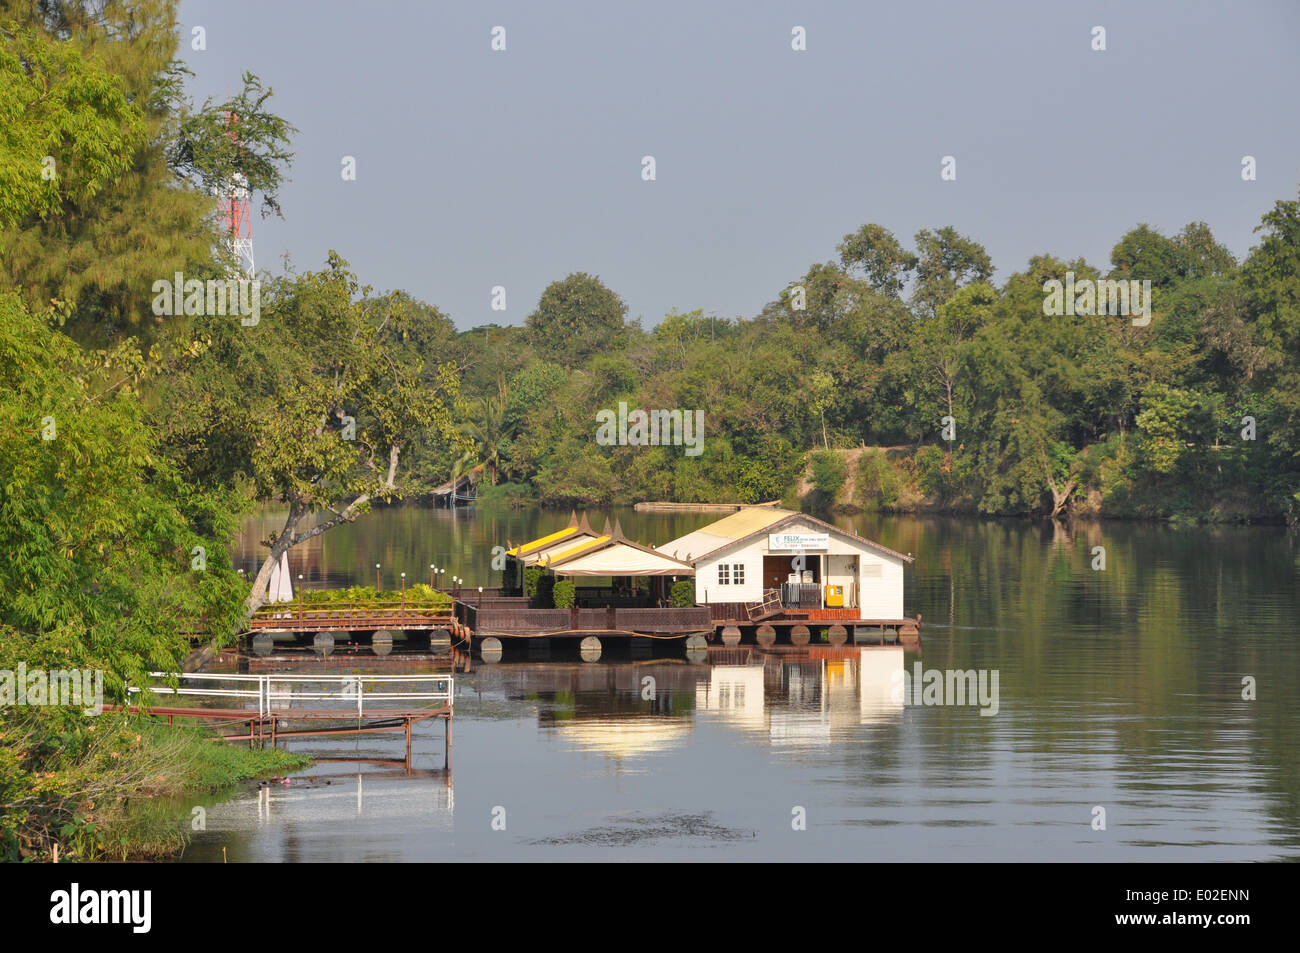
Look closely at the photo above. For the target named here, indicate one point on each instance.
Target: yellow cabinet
(835, 597)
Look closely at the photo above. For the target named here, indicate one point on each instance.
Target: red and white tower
(237, 223)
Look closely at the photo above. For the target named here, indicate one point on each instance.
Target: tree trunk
(257, 597)
(1061, 497)
(283, 542)
(287, 538)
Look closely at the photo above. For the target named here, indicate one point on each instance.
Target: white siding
(706, 578)
(881, 597)
(876, 587)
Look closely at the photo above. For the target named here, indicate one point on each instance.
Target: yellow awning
(526, 548)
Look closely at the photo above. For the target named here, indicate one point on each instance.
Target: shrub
(531, 575)
(564, 593)
(828, 472)
(682, 595)
(419, 593)
(514, 495)
(877, 482)
(546, 591)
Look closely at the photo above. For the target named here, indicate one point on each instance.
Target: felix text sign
(787, 541)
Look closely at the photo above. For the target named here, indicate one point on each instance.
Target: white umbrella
(281, 585)
(284, 592)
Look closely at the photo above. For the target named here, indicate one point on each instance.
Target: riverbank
(74, 784)
(926, 480)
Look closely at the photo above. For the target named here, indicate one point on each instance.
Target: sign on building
(801, 541)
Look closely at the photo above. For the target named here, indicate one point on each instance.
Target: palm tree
(489, 432)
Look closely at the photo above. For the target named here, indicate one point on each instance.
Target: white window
(738, 571)
(724, 574)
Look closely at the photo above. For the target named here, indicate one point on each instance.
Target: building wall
(880, 581)
(877, 583)
(706, 577)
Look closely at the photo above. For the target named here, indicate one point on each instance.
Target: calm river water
(1120, 690)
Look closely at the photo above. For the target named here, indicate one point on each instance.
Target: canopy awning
(608, 557)
(578, 550)
(545, 548)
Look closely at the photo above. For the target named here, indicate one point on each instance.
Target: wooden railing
(522, 621)
(726, 611)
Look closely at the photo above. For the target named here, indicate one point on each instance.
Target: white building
(808, 563)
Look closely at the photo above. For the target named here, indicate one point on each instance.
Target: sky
(478, 168)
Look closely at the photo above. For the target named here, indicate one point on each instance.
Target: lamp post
(299, 597)
(376, 580)
(442, 580)
(432, 569)
(403, 593)
(480, 597)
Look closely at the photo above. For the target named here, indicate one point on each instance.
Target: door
(775, 571)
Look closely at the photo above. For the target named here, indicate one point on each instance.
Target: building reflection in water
(625, 711)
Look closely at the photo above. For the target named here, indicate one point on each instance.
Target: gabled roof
(538, 550)
(729, 532)
(718, 534)
(577, 550)
(607, 556)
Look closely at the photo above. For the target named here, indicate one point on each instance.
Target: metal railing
(770, 603)
(267, 690)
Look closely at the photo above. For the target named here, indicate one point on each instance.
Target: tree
(238, 140)
(154, 216)
(1270, 280)
(576, 318)
(1143, 254)
(874, 251)
(489, 431)
(108, 556)
(946, 260)
(315, 405)
(67, 130)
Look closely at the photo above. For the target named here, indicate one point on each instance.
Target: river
(1125, 727)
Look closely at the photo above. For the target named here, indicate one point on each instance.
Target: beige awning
(618, 558)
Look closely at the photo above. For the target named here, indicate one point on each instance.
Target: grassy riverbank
(80, 782)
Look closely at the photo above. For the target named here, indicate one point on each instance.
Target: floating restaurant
(763, 575)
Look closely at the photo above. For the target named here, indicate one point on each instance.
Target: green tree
(67, 129)
(576, 318)
(875, 251)
(156, 217)
(315, 404)
(108, 557)
(946, 260)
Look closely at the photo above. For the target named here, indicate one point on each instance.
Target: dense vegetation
(1062, 415)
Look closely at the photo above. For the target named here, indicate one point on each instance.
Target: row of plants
(548, 592)
(420, 594)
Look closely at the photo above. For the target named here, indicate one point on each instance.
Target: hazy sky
(477, 168)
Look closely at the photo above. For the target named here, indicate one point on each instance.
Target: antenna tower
(237, 223)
